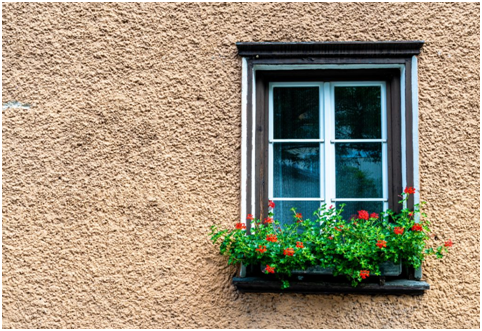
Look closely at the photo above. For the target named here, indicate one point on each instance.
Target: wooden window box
(321, 286)
(387, 269)
(396, 279)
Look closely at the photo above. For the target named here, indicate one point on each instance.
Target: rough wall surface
(130, 149)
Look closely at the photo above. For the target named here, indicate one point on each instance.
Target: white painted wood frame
(245, 97)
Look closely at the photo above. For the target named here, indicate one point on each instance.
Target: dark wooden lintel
(330, 49)
(262, 285)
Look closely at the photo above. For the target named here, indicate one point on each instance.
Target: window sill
(265, 285)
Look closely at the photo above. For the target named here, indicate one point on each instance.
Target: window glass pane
(352, 207)
(296, 170)
(358, 170)
(358, 112)
(283, 213)
(296, 113)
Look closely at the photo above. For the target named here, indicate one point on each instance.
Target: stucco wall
(130, 149)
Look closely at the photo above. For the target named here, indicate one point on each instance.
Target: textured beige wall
(131, 149)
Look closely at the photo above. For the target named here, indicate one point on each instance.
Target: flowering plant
(354, 248)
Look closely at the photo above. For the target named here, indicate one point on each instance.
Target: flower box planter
(396, 286)
(386, 268)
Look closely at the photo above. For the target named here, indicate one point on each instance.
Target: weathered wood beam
(337, 49)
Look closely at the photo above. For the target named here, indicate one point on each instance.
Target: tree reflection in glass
(359, 170)
(358, 112)
(296, 112)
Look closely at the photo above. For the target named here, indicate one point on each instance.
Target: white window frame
(245, 98)
(327, 141)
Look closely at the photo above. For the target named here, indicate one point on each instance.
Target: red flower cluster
(330, 237)
(374, 215)
(409, 190)
(417, 227)
(363, 215)
(449, 243)
(339, 228)
(364, 273)
(250, 217)
(269, 270)
(299, 217)
(299, 244)
(240, 226)
(261, 249)
(410, 214)
(271, 204)
(268, 220)
(381, 243)
(272, 238)
(398, 230)
(289, 252)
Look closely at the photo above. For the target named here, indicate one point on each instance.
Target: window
(328, 123)
(333, 123)
(327, 144)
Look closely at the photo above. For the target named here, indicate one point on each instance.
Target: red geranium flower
(449, 243)
(299, 244)
(289, 251)
(272, 238)
(417, 227)
(374, 215)
(363, 214)
(298, 215)
(398, 230)
(410, 214)
(339, 228)
(330, 237)
(261, 249)
(381, 243)
(409, 190)
(268, 220)
(250, 217)
(240, 226)
(271, 204)
(364, 273)
(269, 270)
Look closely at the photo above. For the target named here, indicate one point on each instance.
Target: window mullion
(329, 126)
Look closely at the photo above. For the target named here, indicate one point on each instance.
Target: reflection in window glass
(359, 170)
(296, 113)
(358, 112)
(296, 170)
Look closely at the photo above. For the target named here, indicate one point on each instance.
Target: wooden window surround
(393, 62)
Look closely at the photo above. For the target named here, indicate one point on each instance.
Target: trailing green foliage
(354, 248)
